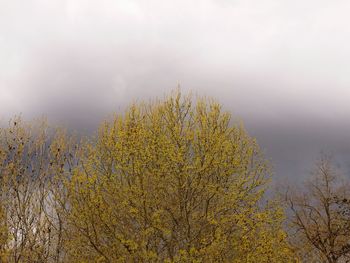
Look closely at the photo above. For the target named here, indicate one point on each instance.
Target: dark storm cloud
(281, 66)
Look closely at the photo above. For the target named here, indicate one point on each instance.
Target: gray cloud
(282, 66)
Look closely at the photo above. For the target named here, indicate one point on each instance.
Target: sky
(280, 66)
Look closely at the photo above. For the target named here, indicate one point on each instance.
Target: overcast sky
(280, 65)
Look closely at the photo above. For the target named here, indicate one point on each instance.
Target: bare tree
(320, 216)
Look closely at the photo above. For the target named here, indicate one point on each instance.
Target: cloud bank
(282, 66)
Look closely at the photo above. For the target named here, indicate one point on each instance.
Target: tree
(34, 160)
(173, 181)
(320, 216)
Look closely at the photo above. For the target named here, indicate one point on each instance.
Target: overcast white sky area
(283, 66)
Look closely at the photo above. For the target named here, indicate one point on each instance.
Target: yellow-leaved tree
(173, 180)
(35, 161)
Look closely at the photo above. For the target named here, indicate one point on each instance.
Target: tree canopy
(172, 180)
